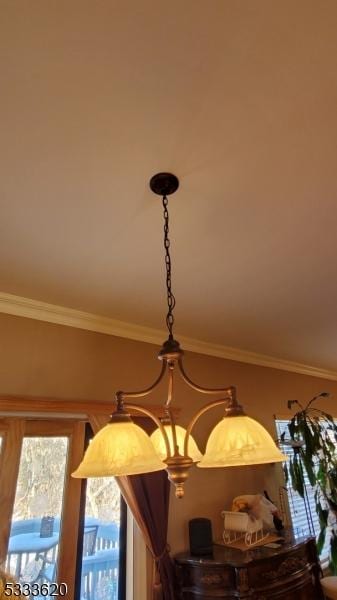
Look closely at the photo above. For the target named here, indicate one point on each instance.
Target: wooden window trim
(75, 408)
(71, 513)
(9, 469)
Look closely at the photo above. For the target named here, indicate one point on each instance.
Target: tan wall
(42, 359)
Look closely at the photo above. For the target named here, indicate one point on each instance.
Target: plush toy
(257, 506)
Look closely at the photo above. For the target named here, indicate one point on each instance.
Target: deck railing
(100, 562)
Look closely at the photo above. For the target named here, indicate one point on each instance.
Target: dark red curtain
(151, 493)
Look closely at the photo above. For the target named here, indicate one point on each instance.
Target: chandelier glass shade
(123, 448)
(239, 441)
(119, 449)
(158, 442)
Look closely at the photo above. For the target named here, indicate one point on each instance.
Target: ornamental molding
(61, 315)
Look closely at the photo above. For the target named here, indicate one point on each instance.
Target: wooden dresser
(291, 572)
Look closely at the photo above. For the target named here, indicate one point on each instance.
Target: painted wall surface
(46, 360)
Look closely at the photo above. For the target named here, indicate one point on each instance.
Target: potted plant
(313, 436)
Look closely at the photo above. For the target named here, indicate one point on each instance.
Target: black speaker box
(200, 533)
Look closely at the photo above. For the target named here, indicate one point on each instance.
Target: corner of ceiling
(60, 315)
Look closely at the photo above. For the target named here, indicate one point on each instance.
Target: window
(37, 512)
(56, 528)
(103, 542)
(302, 510)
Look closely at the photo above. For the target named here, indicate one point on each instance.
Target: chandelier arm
(168, 408)
(170, 385)
(174, 432)
(121, 395)
(169, 419)
(197, 417)
(230, 390)
(157, 421)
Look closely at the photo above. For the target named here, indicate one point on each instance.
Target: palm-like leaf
(313, 435)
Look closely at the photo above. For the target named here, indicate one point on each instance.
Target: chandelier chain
(170, 297)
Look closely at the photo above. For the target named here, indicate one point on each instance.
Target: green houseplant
(313, 435)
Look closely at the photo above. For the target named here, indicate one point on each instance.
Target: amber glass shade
(240, 440)
(160, 448)
(119, 449)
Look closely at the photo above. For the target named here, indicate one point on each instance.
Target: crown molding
(60, 315)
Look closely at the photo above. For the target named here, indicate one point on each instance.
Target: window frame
(26, 416)
(15, 431)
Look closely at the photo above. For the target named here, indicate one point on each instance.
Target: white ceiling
(239, 99)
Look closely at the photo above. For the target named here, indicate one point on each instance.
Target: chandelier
(123, 448)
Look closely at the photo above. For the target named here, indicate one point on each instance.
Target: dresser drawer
(278, 567)
(304, 590)
(206, 578)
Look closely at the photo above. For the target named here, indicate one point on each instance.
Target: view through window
(36, 518)
(302, 510)
(101, 553)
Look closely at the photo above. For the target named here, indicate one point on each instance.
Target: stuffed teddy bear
(257, 506)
